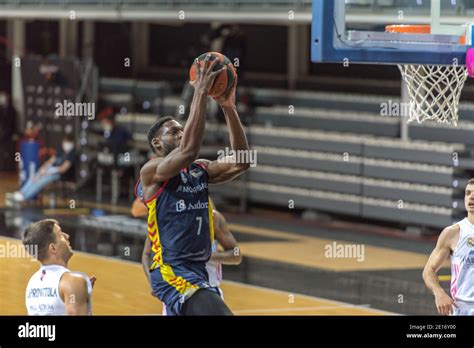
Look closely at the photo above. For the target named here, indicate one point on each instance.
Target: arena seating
(338, 157)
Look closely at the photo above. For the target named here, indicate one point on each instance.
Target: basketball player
(231, 254)
(175, 191)
(54, 289)
(456, 242)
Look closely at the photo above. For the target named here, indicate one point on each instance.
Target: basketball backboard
(354, 31)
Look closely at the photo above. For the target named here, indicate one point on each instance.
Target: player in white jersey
(54, 289)
(231, 254)
(456, 242)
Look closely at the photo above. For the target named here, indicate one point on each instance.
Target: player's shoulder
(203, 163)
(449, 234)
(452, 229)
(73, 280)
(150, 166)
(152, 162)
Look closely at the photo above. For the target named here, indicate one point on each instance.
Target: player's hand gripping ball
(224, 81)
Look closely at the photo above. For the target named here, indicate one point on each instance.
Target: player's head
(469, 197)
(165, 135)
(51, 244)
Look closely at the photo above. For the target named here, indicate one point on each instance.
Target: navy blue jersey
(180, 224)
(181, 230)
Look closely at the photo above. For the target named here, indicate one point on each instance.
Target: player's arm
(138, 208)
(73, 290)
(227, 168)
(440, 254)
(146, 258)
(161, 169)
(231, 254)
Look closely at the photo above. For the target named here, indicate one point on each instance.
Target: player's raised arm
(228, 168)
(165, 137)
(444, 302)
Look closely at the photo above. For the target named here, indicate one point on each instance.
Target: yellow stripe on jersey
(154, 235)
(179, 283)
(211, 218)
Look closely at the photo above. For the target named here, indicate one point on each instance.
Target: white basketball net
(434, 91)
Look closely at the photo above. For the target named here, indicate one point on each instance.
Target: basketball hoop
(434, 90)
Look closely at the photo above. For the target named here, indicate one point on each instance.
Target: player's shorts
(174, 285)
(463, 309)
(219, 290)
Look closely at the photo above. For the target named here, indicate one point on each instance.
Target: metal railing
(160, 3)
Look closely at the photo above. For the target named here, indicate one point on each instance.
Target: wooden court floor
(121, 289)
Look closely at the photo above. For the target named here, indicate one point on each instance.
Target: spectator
(116, 137)
(57, 167)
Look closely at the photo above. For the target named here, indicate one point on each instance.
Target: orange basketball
(224, 80)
